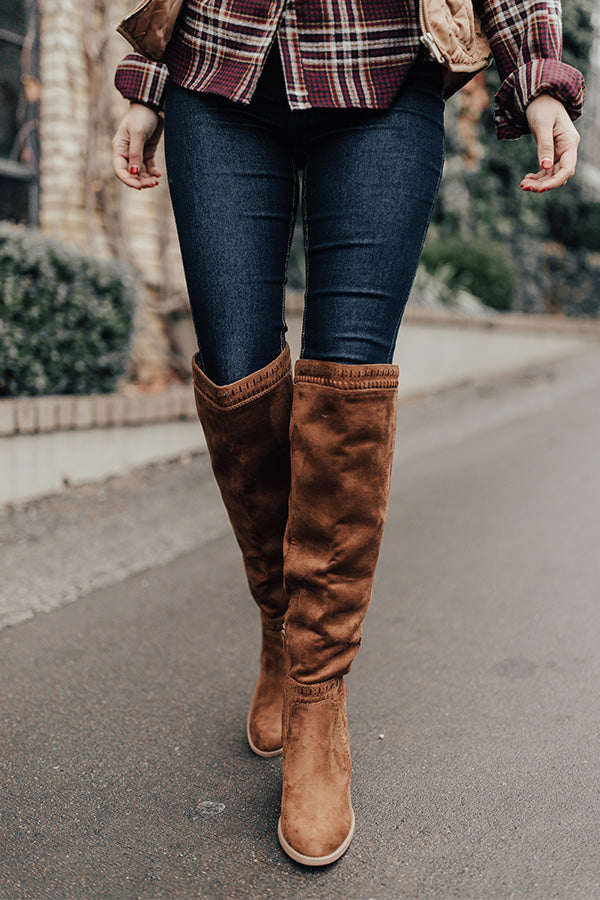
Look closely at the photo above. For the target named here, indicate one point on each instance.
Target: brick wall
(81, 202)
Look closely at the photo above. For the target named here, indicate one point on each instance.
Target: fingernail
(546, 164)
(133, 170)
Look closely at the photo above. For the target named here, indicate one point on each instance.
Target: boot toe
(311, 848)
(264, 740)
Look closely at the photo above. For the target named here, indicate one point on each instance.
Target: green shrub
(65, 319)
(573, 220)
(571, 281)
(484, 268)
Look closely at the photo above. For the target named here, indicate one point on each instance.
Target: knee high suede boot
(246, 425)
(342, 436)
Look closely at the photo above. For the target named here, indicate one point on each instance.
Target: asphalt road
(474, 703)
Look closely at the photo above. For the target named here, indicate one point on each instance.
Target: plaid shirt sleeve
(526, 39)
(142, 81)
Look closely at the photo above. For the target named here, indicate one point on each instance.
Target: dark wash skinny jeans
(370, 180)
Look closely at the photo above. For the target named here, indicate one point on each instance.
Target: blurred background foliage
(66, 319)
(508, 248)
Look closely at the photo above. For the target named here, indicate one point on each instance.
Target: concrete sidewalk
(434, 352)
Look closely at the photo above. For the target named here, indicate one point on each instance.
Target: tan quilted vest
(452, 34)
(150, 26)
(449, 30)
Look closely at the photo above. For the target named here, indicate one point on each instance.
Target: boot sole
(266, 754)
(315, 860)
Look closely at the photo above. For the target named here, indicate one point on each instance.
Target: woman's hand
(134, 146)
(556, 138)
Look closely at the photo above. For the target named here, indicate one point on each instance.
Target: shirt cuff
(142, 81)
(541, 76)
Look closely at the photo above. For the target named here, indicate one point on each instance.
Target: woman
(252, 93)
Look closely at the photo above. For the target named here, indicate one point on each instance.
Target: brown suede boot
(246, 425)
(342, 436)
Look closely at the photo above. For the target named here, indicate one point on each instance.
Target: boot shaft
(342, 435)
(246, 425)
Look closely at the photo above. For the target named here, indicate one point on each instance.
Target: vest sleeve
(526, 40)
(142, 81)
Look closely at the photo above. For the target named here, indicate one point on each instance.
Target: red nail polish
(133, 170)
(546, 164)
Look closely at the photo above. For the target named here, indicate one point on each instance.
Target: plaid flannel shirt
(349, 53)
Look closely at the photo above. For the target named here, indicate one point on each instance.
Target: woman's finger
(139, 181)
(121, 162)
(544, 139)
(541, 116)
(136, 153)
(556, 177)
(150, 150)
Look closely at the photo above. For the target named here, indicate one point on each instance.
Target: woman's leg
(369, 188)
(234, 190)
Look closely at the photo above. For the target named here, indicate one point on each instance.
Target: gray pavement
(473, 703)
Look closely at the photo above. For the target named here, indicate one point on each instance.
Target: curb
(528, 322)
(39, 415)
